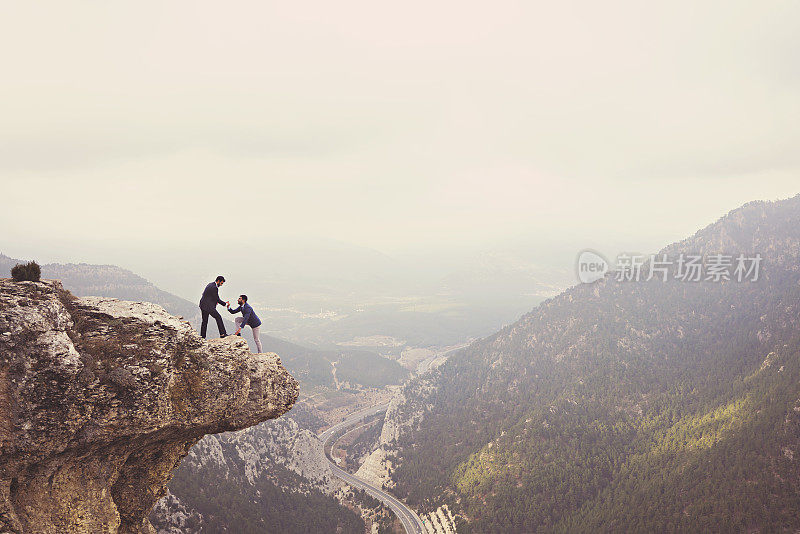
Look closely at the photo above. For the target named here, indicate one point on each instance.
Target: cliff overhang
(100, 399)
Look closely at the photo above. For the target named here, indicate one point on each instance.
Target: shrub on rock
(29, 271)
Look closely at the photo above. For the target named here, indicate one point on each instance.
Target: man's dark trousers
(204, 325)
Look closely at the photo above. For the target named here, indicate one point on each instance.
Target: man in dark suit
(208, 306)
(248, 317)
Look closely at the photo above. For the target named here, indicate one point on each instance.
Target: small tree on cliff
(28, 271)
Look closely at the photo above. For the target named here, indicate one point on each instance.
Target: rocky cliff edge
(100, 399)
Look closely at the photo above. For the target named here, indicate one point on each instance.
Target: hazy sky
(392, 125)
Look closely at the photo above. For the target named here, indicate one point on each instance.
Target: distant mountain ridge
(627, 406)
(83, 279)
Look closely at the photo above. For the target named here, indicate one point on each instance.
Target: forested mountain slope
(629, 405)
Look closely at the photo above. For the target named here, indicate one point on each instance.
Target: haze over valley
(495, 267)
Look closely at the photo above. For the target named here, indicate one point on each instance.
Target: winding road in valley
(411, 521)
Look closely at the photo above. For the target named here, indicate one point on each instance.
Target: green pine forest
(627, 406)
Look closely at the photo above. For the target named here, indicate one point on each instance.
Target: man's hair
(243, 297)
(220, 278)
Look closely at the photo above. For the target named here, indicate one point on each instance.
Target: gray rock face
(170, 516)
(280, 442)
(100, 399)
